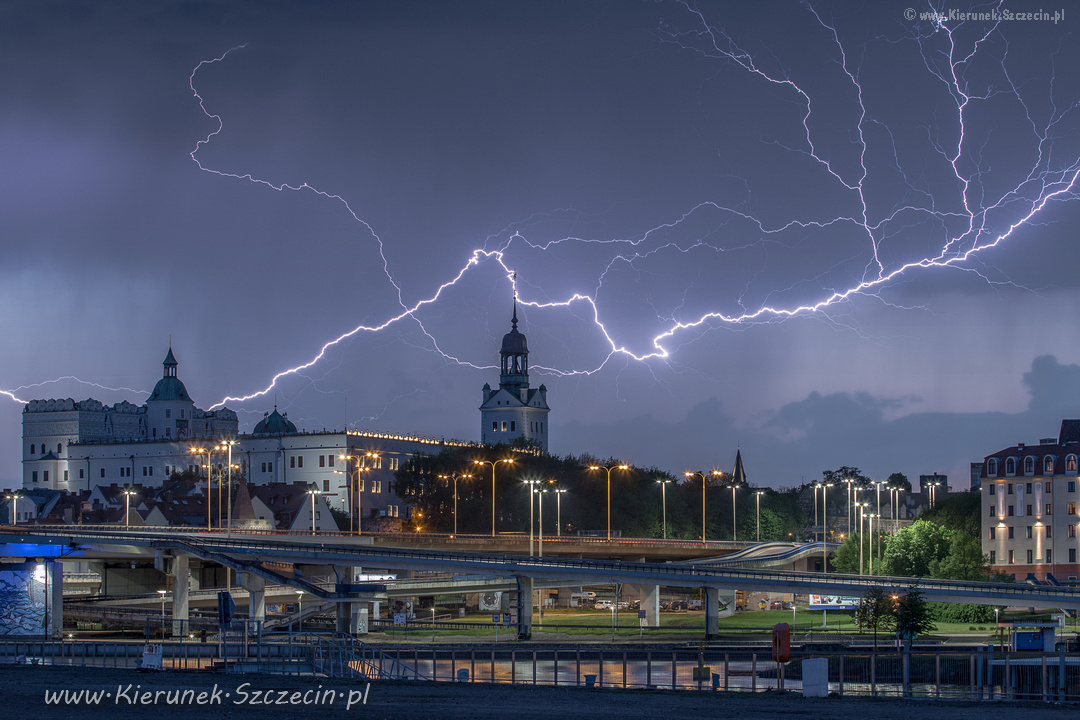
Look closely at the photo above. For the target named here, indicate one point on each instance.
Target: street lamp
(558, 510)
(933, 492)
(493, 463)
(128, 492)
(717, 473)
(540, 503)
(357, 490)
(663, 493)
(313, 492)
(734, 487)
(228, 445)
(824, 525)
(205, 451)
(14, 498)
(872, 516)
(850, 482)
(862, 507)
(757, 497)
(609, 469)
(532, 489)
(300, 612)
(455, 477)
(162, 593)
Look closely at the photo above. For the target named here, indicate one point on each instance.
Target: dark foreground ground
(24, 690)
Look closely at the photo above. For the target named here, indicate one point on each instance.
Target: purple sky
(677, 173)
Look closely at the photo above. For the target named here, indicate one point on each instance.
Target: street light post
(14, 498)
(719, 474)
(849, 482)
(734, 487)
(205, 451)
(861, 506)
(558, 510)
(757, 496)
(455, 477)
(824, 526)
(128, 492)
(162, 593)
(493, 463)
(229, 444)
(313, 492)
(532, 488)
(663, 494)
(540, 504)
(609, 469)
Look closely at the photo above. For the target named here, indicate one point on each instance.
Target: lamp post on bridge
(757, 497)
(455, 477)
(704, 482)
(663, 494)
(609, 469)
(493, 463)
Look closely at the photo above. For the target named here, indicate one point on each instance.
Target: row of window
(535, 426)
(33, 448)
(1011, 510)
(1048, 461)
(1048, 556)
(168, 414)
(373, 462)
(1031, 532)
(375, 485)
(1028, 487)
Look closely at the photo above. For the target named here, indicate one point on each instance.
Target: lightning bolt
(971, 222)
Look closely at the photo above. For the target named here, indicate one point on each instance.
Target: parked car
(604, 605)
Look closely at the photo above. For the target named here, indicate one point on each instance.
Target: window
(292, 461)
(326, 485)
(65, 476)
(45, 476)
(81, 474)
(1072, 486)
(1010, 533)
(504, 426)
(168, 414)
(494, 426)
(1072, 555)
(992, 489)
(264, 467)
(1047, 489)
(1012, 557)
(1029, 465)
(1072, 531)
(393, 463)
(1010, 511)
(1070, 509)
(1010, 488)
(991, 467)
(269, 467)
(1070, 464)
(1027, 487)
(993, 534)
(32, 447)
(168, 432)
(1010, 466)
(360, 484)
(102, 472)
(376, 486)
(299, 461)
(144, 471)
(181, 414)
(1030, 556)
(1028, 509)
(33, 476)
(993, 557)
(992, 510)
(322, 461)
(330, 460)
(1048, 465)
(513, 426)
(1049, 531)
(1049, 555)
(1029, 532)
(376, 462)
(1049, 509)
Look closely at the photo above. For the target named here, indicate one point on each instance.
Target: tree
(876, 611)
(959, 511)
(913, 616)
(899, 481)
(912, 550)
(964, 559)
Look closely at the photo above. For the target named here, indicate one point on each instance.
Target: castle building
(80, 446)
(514, 411)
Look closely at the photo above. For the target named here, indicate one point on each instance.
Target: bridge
(254, 558)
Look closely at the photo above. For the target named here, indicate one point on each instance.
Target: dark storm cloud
(636, 164)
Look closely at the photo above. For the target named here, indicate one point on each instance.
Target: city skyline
(728, 231)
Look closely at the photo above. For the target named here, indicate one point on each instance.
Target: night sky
(663, 177)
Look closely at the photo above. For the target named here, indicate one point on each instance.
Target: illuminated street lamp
(313, 492)
(162, 593)
(850, 482)
(824, 525)
(356, 490)
(609, 469)
(871, 517)
(663, 494)
(540, 504)
(493, 463)
(455, 477)
(862, 537)
(206, 451)
(128, 492)
(933, 492)
(717, 473)
(734, 487)
(532, 489)
(228, 445)
(757, 497)
(14, 498)
(559, 492)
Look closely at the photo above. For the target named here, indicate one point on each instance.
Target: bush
(961, 613)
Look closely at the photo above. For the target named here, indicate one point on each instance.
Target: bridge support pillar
(649, 601)
(256, 587)
(181, 578)
(56, 618)
(712, 607)
(524, 607)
